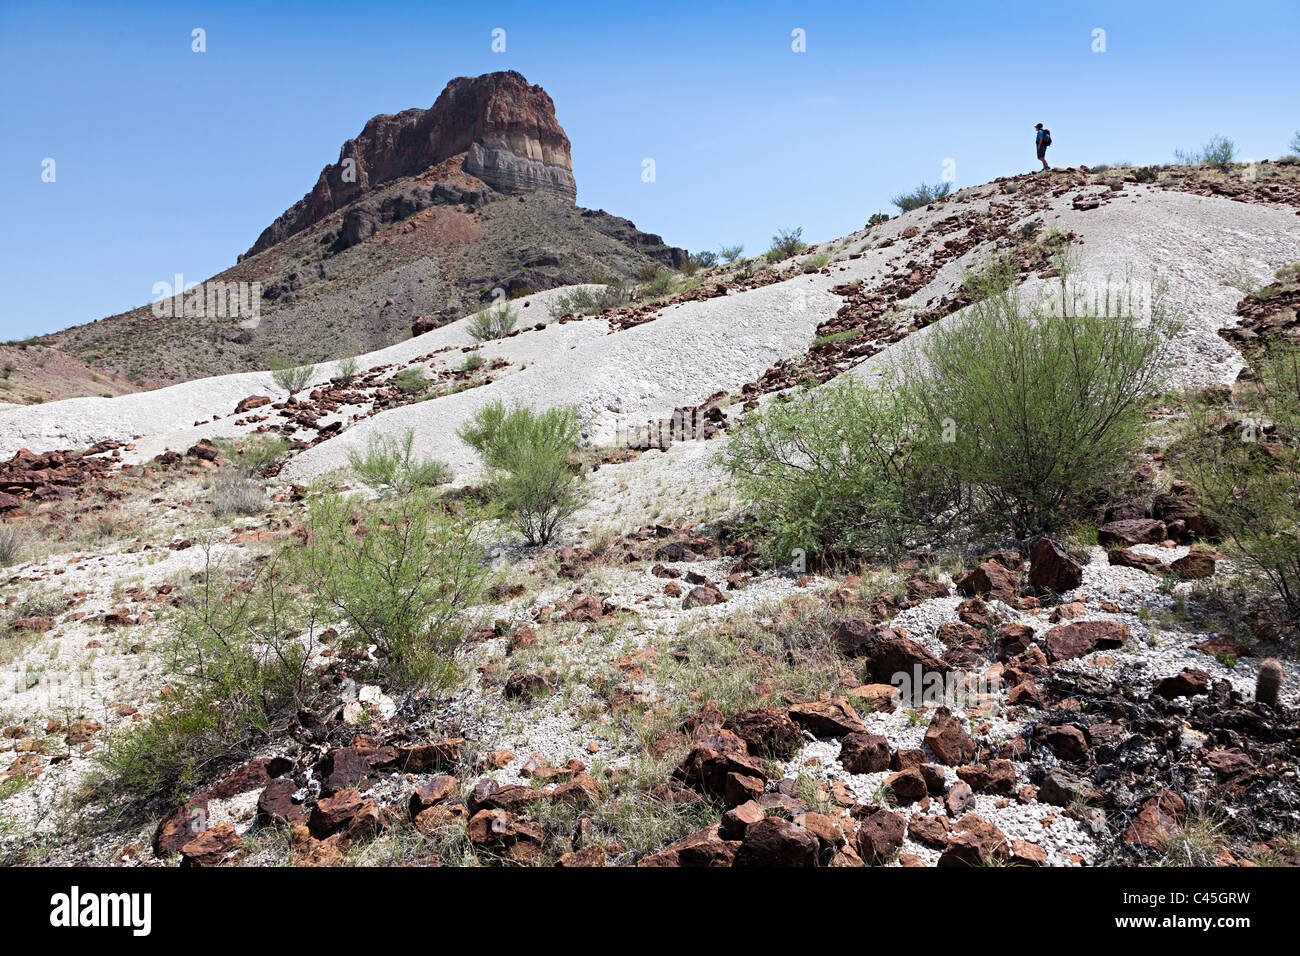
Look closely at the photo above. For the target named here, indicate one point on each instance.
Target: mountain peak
(502, 130)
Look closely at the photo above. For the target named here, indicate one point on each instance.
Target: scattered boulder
(828, 718)
(864, 753)
(991, 578)
(1189, 682)
(1053, 569)
(1131, 531)
(948, 739)
(776, 842)
(880, 836)
(1081, 638)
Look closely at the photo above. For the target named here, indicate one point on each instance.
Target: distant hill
(425, 215)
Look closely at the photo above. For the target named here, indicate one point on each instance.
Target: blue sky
(170, 161)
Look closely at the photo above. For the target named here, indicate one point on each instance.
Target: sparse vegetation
(288, 375)
(238, 654)
(494, 323)
(346, 369)
(236, 494)
(1030, 404)
(1246, 469)
(836, 470)
(12, 541)
(1219, 152)
(527, 454)
(922, 195)
(389, 465)
(411, 380)
(786, 243)
(400, 576)
(730, 254)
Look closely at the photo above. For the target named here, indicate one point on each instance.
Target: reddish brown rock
(880, 836)
(990, 578)
(217, 846)
(1156, 821)
(1053, 569)
(1066, 741)
(275, 804)
(740, 818)
(1194, 565)
(979, 844)
(776, 842)
(996, 776)
(948, 739)
(1131, 531)
(1082, 638)
(437, 790)
(1187, 683)
(828, 718)
(503, 834)
(703, 848)
(181, 825)
(766, 732)
(503, 130)
(252, 402)
(1124, 558)
(864, 753)
(703, 596)
(586, 857)
(346, 813)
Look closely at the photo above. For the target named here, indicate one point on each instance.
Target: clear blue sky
(171, 161)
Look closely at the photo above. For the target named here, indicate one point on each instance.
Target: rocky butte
(495, 127)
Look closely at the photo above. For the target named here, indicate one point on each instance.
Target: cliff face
(505, 129)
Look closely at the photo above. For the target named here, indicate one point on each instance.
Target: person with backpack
(1043, 140)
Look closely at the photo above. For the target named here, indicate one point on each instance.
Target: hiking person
(1043, 140)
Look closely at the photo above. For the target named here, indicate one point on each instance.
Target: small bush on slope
(238, 655)
(1219, 151)
(1006, 415)
(922, 195)
(1035, 403)
(1247, 475)
(11, 543)
(289, 375)
(400, 576)
(786, 243)
(494, 323)
(836, 470)
(527, 455)
(389, 465)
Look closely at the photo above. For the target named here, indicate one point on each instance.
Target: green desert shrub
(731, 253)
(12, 541)
(401, 576)
(838, 469)
(390, 466)
(1219, 151)
(237, 655)
(289, 375)
(877, 218)
(1033, 402)
(345, 369)
(410, 381)
(922, 195)
(786, 243)
(531, 478)
(236, 494)
(494, 323)
(1247, 475)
